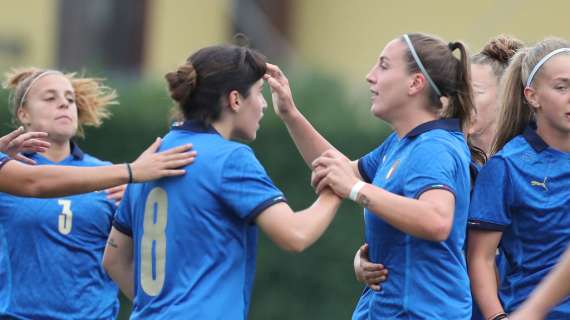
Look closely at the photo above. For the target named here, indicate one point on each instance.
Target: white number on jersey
(154, 240)
(65, 217)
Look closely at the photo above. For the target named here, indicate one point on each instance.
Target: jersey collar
(534, 139)
(76, 152)
(194, 126)
(444, 124)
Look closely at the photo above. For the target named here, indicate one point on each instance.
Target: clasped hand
(332, 169)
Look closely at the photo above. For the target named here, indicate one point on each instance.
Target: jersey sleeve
(369, 163)
(3, 159)
(431, 166)
(123, 215)
(489, 210)
(246, 188)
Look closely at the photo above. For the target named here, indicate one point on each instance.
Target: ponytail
(453, 78)
(514, 112)
(461, 104)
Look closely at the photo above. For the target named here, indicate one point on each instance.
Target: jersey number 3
(65, 217)
(153, 247)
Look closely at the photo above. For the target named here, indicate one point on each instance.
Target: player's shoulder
(441, 143)
(515, 147)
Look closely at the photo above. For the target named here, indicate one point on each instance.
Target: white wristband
(355, 190)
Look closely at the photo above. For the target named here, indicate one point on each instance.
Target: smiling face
(485, 86)
(550, 94)
(50, 107)
(249, 114)
(388, 80)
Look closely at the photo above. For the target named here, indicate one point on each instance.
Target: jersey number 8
(153, 247)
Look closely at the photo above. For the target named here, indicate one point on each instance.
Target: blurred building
(149, 37)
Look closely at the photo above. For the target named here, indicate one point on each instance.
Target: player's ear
(234, 100)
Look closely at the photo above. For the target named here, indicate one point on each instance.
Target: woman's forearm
(124, 279)
(310, 143)
(418, 217)
(481, 257)
(312, 222)
(53, 181)
(484, 286)
(118, 261)
(296, 231)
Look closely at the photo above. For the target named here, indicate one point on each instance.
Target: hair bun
(182, 83)
(502, 48)
(241, 40)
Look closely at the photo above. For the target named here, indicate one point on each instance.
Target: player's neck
(554, 138)
(484, 140)
(223, 128)
(407, 122)
(58, 151)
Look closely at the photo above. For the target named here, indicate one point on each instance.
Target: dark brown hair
(201, 85)
(451, 75)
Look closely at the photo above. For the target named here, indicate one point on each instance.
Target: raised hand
(151, 165)
(280, 91)
(20, 141)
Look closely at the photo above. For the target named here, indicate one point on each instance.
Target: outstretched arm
(429, 217)
(310, 143)
(296, 231)
(53, 181)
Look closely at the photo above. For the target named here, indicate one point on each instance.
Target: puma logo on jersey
(540, 184)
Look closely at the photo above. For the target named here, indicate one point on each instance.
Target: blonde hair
(515, 112)
(92, 97)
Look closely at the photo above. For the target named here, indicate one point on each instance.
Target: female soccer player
(189, 243)
(487, 68)
(521, 195)
(415, 186)
(58, 242)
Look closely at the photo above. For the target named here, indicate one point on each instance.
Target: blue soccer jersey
(5, 283)
(428, 280)
(500, 260)
(524, 192)
(54, 251)
(3, 159)
(194, 236)
(476, 312)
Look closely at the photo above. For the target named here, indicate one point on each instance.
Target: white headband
(542, 61)
(45, 73)
(420, 65)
